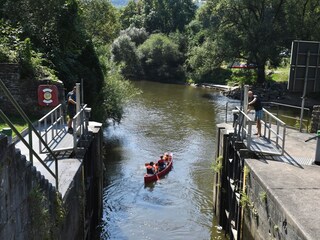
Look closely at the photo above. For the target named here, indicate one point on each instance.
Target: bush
(115, 93)
(161, 59)
(242, 77)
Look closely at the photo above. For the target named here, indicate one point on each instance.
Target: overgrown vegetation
(45, 224)
(171, 41)
(39, 212)
(217, 164)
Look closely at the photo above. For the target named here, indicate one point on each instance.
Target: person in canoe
(167, 157)
(150, 168)
(161, 163)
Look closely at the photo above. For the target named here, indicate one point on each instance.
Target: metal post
(245, 98)
(82, 98)
(78, 97)
(304, 90)
(317, 159)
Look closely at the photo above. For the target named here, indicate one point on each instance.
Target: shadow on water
(166, 117)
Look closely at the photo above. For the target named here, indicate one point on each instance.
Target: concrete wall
(315, 121)
(30, 207)
(264, 217)
(27, 200)
(24, 91)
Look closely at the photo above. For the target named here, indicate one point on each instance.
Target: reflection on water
(165, 117)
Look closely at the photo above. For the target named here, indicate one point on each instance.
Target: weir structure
(46, 159)
(265, 187)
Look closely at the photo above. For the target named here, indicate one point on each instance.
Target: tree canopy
(161, 40)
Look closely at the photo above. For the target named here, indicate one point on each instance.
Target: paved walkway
(297, 151)
(296, 189)
(293, 182)
(67, 166)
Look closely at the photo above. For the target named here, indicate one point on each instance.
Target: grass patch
(18, 122)
(281, 74)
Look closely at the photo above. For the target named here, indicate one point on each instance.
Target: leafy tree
(124, 51)
(101, 20)
(250, 30)
(131, 15)
(303, 19)
(204, 64)
(115, 93)
(10, 42)
(161, 59)
(137, 35)
(158, 15)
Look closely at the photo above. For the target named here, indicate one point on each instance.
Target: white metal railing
(80, 125)
(244, 126)
(276, 134)
(274, 129)
(52, 128)
(52, 123)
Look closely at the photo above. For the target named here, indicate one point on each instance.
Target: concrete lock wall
(264, 218)
(30, 207)
(24, 91)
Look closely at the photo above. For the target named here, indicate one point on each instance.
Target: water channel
(165, 117)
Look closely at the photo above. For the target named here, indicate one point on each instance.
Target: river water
(164, 118)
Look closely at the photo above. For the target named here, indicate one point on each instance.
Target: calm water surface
(165, 117)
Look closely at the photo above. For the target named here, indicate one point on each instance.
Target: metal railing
(31, 129)
(302, 122)
(80, 125)
(51, 123)
(278, 134)
(276, 107)
(274, 130)
(228, 108)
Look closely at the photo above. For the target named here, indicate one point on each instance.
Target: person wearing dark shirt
(71, 110)
(255, 102)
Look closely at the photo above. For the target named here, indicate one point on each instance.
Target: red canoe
(154, 177)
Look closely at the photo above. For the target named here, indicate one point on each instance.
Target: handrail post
(283, 137)
(39, 127)
(226, 118)
(74, 120)
(304, 90)
(249, 134)
(270, 126)
(30, 142)
(277, 137)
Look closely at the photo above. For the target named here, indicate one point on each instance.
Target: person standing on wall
(71, 108)
(255, 102)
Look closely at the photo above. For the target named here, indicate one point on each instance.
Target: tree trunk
(261, 76)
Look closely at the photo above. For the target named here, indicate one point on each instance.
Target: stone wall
(315, 119)
(24, 91)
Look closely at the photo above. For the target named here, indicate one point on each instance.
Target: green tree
(115, 93)
(158, 15)
(250, 30)
(303, 19)
(101, 20)
(161, 59)
(124, 51)
(204, 63)
(131, 15)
